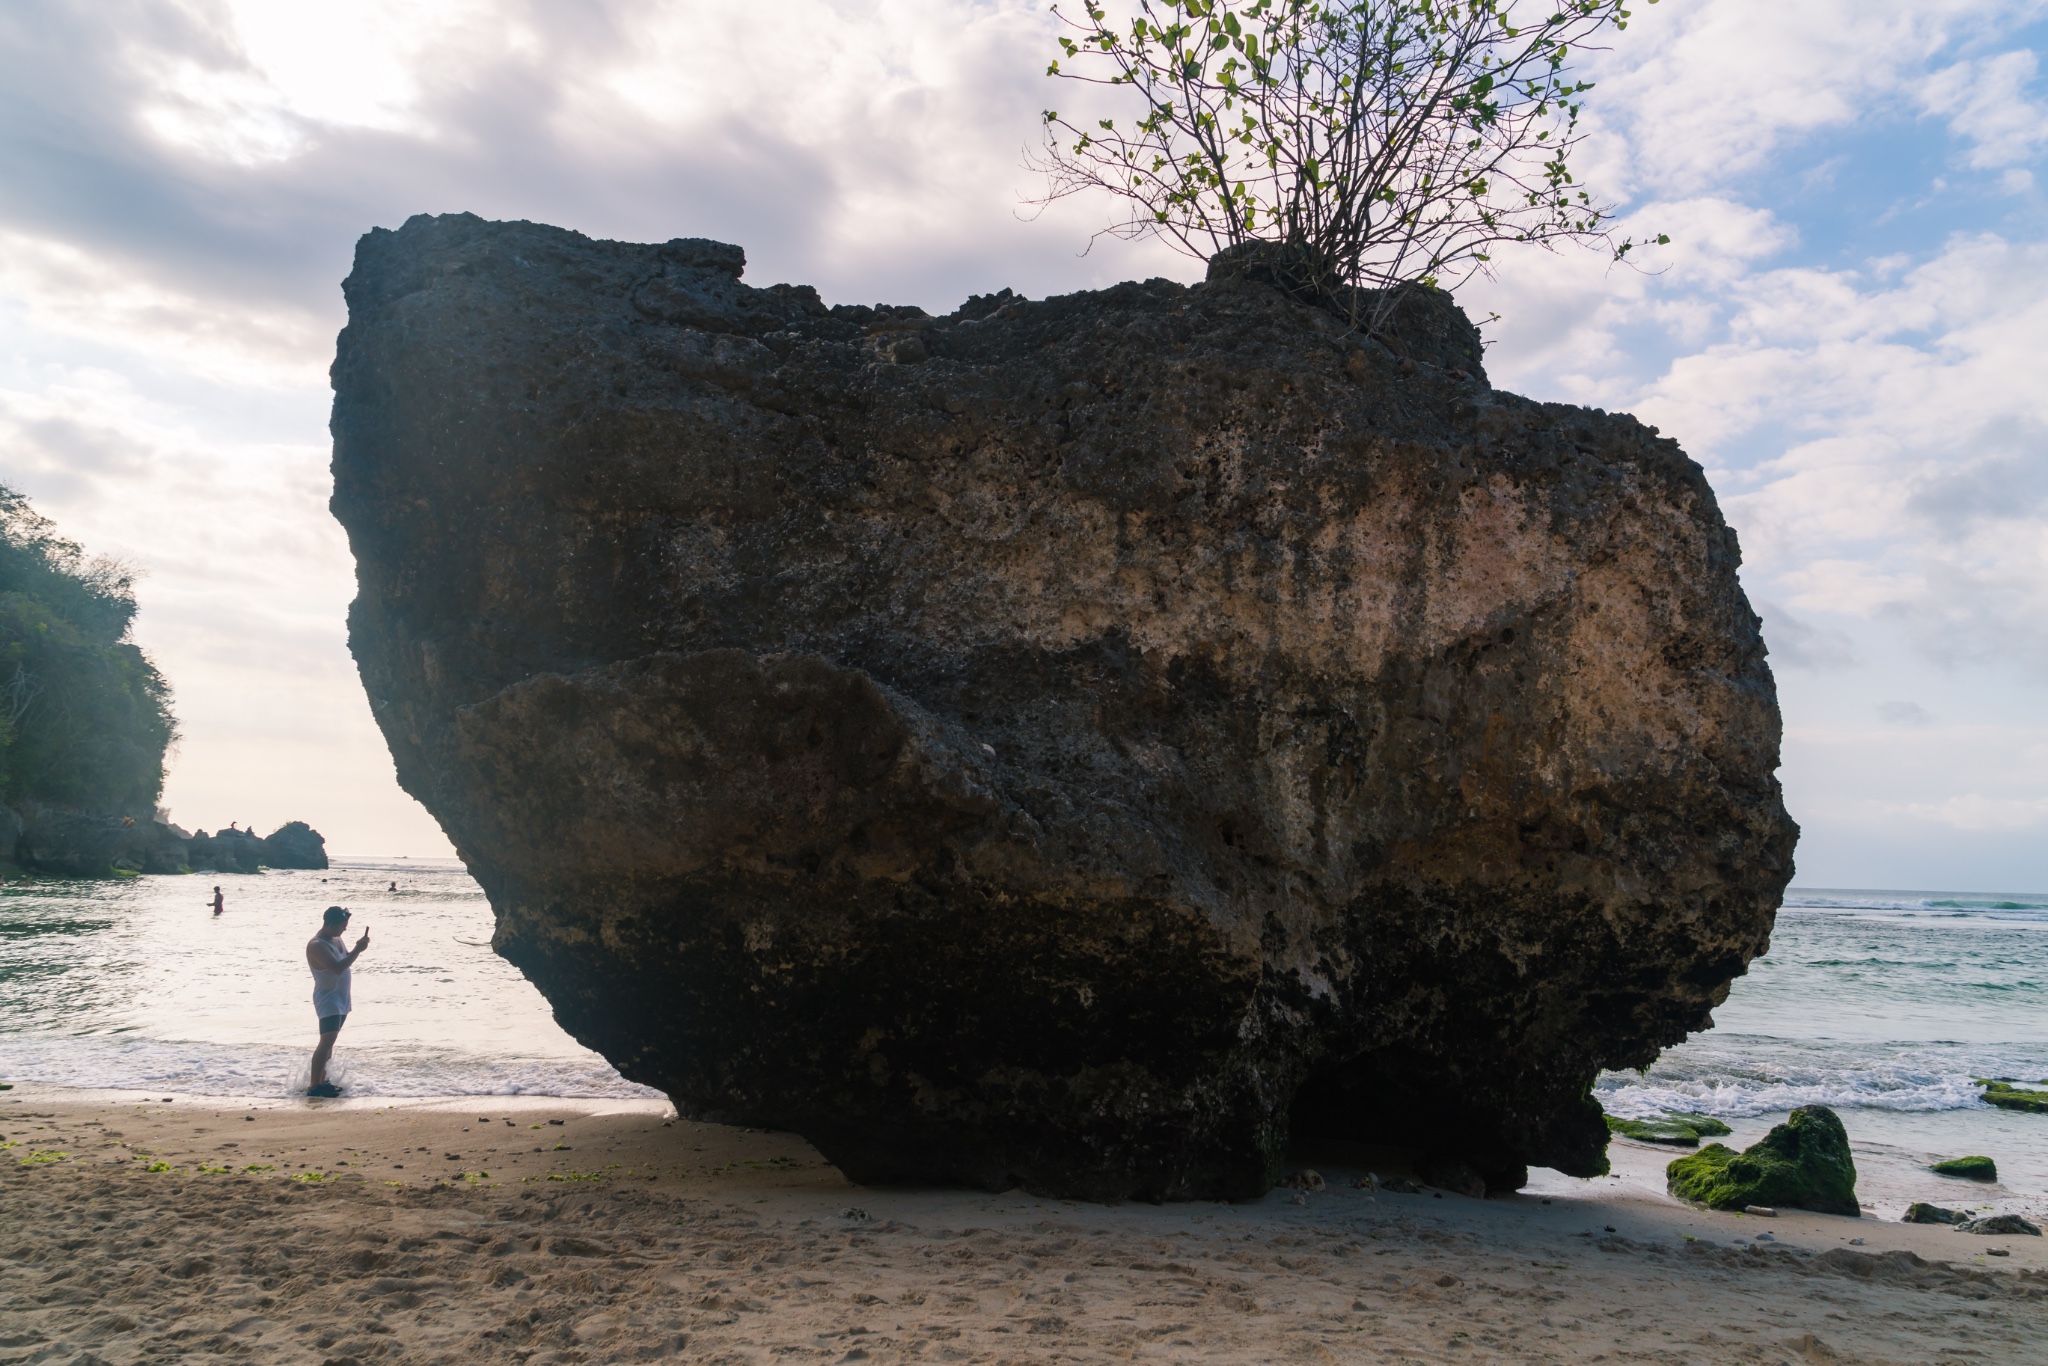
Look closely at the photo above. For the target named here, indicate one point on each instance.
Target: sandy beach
(549, 1231)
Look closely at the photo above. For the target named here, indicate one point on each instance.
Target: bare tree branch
(1379, 142)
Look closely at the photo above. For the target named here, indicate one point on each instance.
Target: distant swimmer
(330, 963)
(220, 902)
(394, 886)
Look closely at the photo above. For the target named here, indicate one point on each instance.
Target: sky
(1847, 331)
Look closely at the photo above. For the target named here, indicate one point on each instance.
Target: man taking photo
(330, 963)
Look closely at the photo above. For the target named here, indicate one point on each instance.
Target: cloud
(174, 168)
(1987, 101)
(1976, 812)
(1880, 441)
(182, 182)
(1709, 92)
(1904, 714)
(185, 181)
(1998, 476)
(1796, 644)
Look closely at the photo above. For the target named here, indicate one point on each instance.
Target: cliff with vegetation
(85, 722)
(85, 717)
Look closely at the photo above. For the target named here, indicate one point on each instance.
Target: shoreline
(1890, 1177)
(370, 1229)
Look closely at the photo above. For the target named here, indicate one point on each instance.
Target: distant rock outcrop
(68, 843)
(80, 844)
(1071, 744)
(294, 844)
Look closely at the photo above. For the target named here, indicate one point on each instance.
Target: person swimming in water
(219, 902)
(330, 963)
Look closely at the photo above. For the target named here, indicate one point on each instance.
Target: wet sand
(546, 1231)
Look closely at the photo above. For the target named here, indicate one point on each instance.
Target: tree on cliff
(1377, 143)
(85, 718)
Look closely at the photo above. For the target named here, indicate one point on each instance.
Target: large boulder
(1072, 744)
(294, 844)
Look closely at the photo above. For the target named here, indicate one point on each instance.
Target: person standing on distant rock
(220, 902)
(330, 963)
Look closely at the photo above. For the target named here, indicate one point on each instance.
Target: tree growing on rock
(1370, 144)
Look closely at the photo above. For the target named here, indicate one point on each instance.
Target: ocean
(136, 986)
(1881, 1004)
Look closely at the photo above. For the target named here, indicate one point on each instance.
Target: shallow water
(1880, 1004)
(135, 985)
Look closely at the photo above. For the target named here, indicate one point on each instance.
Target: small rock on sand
(1454, 1175)
(1919, 1212)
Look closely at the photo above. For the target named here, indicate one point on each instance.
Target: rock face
(227, 851)
(1072, 744)
(85, 844)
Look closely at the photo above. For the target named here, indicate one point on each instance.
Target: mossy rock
(1679, 1128)
(1706, 1126)
(2006, 1096)
(1972, 1168)
(1661, 1130)
(1803, 1163)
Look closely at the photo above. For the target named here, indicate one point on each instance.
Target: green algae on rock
(1803, 1163)
(1970, 1168)
(2001, 1092)
(1665, 1129)
(1679, 1128)
(1706, 1126)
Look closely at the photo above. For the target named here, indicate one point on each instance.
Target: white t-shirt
(330, 988)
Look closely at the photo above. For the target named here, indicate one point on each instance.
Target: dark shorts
(331, 1024)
